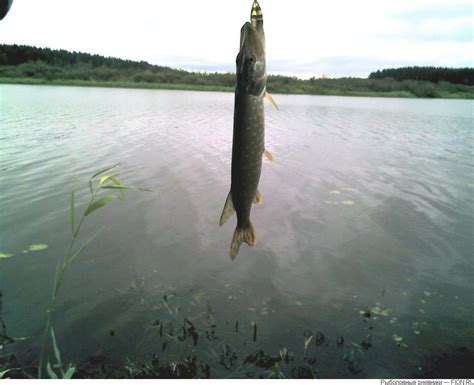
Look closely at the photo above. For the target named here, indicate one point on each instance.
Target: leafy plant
(4, 372)
(97, 200)
(65, 375)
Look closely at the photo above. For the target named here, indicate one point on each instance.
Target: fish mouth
(251, 66)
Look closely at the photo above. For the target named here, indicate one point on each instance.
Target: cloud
(435, 11)
(458, 29)
(304, 37)
(336, 66)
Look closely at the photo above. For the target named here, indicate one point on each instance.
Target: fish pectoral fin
(242, 234)
(258, 200)
(270, 99)
(228, 210)
(267, 154)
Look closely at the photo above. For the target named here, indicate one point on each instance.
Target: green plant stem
(59, 274)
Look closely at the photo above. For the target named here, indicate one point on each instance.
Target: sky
(304, 38)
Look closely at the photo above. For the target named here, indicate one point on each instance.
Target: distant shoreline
(114, 84)
(20, 64)
(216, 88)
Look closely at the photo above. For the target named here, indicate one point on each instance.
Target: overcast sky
(304, 37)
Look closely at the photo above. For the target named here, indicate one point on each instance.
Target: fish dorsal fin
(228, 210)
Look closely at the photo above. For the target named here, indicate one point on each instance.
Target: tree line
(27, 61)
(431, 74)
(21, 63)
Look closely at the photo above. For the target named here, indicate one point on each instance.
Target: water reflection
(366, 196)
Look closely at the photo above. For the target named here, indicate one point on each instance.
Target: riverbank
(337, 88)
(115, 84)
(31, 65)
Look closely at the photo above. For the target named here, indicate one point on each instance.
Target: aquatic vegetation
(37, 247)
(183, 328)
(366, 342)
(339, 192)
(5, 370)
(340, 341)
(319, 340)
(33, 247)
(104, 183)
(190, 343)
(63, 374)
(307, 341)
(354, 360)
(397, 338)
(377, 310)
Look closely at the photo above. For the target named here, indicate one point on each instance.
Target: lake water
(368, 208)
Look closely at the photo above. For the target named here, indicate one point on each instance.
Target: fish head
(251, 66)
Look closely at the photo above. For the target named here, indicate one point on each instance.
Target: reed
(98, 199)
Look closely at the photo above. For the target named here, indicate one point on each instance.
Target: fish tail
(245, 234)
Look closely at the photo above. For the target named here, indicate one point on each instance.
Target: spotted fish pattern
(248, 144)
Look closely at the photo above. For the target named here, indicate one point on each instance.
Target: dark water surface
(367, 206)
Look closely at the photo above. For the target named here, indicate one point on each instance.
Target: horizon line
(190, 69)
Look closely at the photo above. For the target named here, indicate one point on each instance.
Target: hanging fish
(249, 130)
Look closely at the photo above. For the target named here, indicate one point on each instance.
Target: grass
(332, 87)
(115, 84)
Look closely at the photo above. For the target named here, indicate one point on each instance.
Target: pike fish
(248, 144)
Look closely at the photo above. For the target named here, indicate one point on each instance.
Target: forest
(30, 65)
(430, 74)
